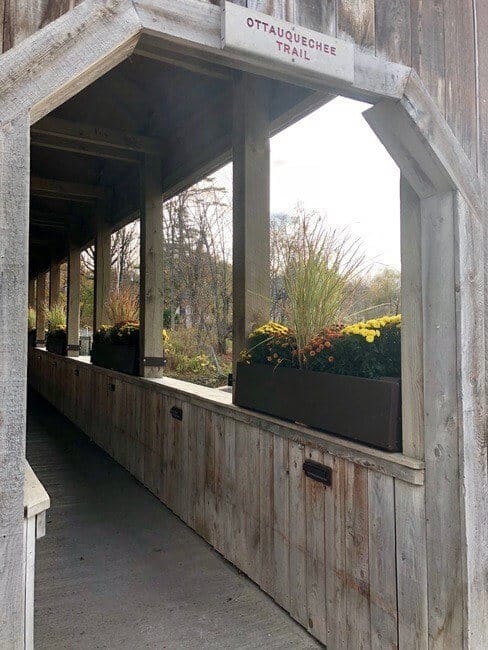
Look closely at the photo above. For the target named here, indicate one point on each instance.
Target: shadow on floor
(118, 570)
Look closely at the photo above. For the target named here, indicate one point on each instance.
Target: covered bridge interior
(118, 104)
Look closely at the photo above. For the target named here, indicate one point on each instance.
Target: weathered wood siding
(338, 559)
(436, 37)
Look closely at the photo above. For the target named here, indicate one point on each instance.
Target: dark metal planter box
(122, 358)
(57, 346)
(364, 410)
(31, 338)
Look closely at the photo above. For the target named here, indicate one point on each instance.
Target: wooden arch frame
(443, 285)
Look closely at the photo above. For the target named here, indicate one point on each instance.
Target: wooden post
(14, 226)
(73, 311)
(251, 246)
(54, 284)
(102, 268)
(151, 305)
(32, 292)
(412, 328)
(41, 309)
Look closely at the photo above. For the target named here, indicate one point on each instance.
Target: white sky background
(333, 163)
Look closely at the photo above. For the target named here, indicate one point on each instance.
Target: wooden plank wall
(329, 556)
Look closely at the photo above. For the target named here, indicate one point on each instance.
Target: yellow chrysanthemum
(371, 329)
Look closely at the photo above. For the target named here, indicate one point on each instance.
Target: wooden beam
(73, 307)
(59, 143)
(412, 329)
(193, 28)
(66, 190)
(32, 292)
(41, 305)
(93, 134)
(14, 220)
(420, 141)
(251, 243)
(102, 275)
(181, 61)
(151, 304)
(470, 281)
(67, 55)
(54, 284)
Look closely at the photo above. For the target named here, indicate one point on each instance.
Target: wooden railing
(347, 561)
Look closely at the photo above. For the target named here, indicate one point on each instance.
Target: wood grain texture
(251, 197)
(73, 300)
(357, 578)
(151, 299)
(412, 329)
(473, 457)
(298, 535)
(356, 22)
(315, 557)
(320, 15)
(442, 496)
(411, 556)
(243, 489)
(428, 48)
(102, 271)
(460, 73)
(67, 55)
(25, 18)
(14, 211)
(382, 561)
(393, 30)
(335, 554)
(54, 284)
(280, 8)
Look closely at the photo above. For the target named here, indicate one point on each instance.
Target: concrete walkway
(118, 570)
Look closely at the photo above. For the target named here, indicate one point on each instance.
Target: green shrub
(31, 319)
(56, 318)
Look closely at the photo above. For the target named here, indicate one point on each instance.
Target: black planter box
(122, 358)
(57, 345)
(32, 338)
(364, 410)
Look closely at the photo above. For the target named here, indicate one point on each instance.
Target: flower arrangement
(56, 336)
(124, 333)
(365, 349)
(117, 347)
(271, 343)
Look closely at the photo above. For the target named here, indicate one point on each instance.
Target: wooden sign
(263, 36)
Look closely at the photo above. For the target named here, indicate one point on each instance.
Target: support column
(251, 229)
(102, 269)
(41, 309)
(73, 310)
(32, 292)
(151, 305)
(14, 246)
(54, 284)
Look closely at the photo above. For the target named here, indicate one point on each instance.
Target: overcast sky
(332, 162)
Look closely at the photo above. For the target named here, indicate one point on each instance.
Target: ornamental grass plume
(123, 306)
(321, 266)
